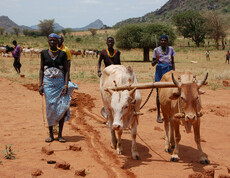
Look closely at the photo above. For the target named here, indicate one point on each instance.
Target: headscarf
(164, 36)
(53, 35)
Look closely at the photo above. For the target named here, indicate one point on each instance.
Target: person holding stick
(54, 82)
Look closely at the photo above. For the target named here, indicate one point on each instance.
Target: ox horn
(203, 81)
(132, 91)
(175, 82)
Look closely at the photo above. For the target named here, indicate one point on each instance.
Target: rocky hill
(98, 24)
(9, 25)
(175, 6)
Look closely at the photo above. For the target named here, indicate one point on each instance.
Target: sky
(76, 13)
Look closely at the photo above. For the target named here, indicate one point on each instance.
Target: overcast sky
(76, 13)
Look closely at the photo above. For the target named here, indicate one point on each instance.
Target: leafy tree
(216, 28)
(191, 25)
(46, 26)
(33, 33)
(16, 31)
(142, 36)
(2, 30)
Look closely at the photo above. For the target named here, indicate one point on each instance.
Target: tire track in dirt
(82, 105)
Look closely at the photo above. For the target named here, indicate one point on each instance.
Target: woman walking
(54, 82)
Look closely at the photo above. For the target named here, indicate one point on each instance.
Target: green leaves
(8, 152)
(191, 25)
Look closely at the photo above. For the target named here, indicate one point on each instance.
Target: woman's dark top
(48, 61)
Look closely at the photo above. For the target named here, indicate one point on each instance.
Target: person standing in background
(163, 56)
(16, 54)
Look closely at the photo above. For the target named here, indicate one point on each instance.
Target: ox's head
(122, 105)
(188, 95)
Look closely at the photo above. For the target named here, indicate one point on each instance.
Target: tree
(66, 30)
(2, 30)
(216, 28)
(16, 31)
(191, 25)
(142, 36)
(93, 31)
(46, 26)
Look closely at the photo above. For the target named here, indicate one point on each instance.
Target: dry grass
(85, 69)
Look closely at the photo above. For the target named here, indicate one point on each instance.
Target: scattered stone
(63, 165)
(152, 109)
(226, 83)
(224, 176)
(209, 172)
(75, 147)
(51, 162)
(22, 76)
(47, 150)
(194, 62)
(80, 172)
(196, 175)
(36, 172)
(158, 128)
(228, 168)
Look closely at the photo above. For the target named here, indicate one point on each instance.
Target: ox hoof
(136, 156)
(174, 159)
(119, 152)
(168, 150)
(205, 162)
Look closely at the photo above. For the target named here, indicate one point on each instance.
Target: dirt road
(22, 126)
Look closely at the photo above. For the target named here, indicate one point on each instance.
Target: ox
(121, 107)
(181, 105)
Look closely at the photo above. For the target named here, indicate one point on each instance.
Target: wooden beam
(143, 86)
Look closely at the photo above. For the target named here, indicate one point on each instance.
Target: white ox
(181, 105)
(121, 107)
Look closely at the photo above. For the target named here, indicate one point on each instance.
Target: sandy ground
(22, 126)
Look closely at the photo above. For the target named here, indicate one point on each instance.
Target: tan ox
(121, 107)
(181, 105)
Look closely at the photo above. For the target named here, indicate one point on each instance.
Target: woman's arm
(99, 65)
(41, 75)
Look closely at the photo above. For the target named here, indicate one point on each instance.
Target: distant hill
(98, 24)
(9, 25)
(173, 7)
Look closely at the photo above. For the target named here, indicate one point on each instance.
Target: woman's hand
(99, 73)
(64, 90)
(41, 90)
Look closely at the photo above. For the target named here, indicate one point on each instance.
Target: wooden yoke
(143, 86)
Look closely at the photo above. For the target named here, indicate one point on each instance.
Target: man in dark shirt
(110, 55)
(16, 54)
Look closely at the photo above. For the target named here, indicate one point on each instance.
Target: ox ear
(201, 92)
(175, 94)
